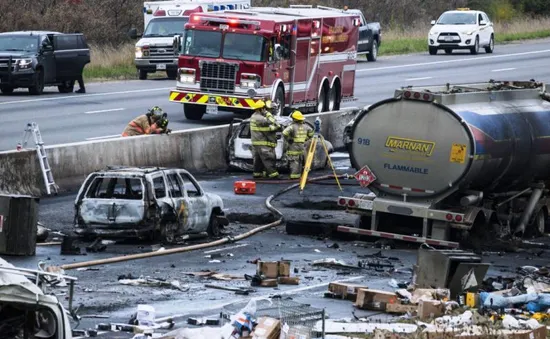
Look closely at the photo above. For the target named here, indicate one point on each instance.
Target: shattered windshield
(165, 27)
(457, 19)
(14, 43)
(202, 43)
(116, 188)
(246, 47)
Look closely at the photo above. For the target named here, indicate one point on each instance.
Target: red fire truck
(302, 58)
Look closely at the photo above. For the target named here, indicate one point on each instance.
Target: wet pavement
(100, 292)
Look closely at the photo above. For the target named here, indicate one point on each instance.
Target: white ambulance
(162, 21)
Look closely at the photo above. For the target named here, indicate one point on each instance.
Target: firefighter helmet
(259, 105)
(297, 115)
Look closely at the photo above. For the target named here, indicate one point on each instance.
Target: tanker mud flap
(395, 236)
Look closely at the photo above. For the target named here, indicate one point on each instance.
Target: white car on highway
(462, 29)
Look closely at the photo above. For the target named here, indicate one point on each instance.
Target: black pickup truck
(35, 59)
(370, 37)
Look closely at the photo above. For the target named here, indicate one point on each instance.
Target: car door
(160, 194)
(364, 34)
(200, 208)
(68, 56)
(483, 38)
(185, 212)
(489, 26)
(47, 59)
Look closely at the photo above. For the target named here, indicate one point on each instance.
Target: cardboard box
(269, 269)
(267, 328)
(345, 291)
(284, 268)
(269, 283)
(375, 300)
(428, 309)
(401, 308)
(289, 280)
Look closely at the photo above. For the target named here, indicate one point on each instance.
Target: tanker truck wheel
(480, 237)
(538, 227)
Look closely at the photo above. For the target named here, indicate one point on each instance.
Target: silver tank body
(488, 141)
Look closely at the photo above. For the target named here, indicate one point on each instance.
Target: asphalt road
(106, 108)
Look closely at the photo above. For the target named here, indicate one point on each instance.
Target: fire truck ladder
(32, 128)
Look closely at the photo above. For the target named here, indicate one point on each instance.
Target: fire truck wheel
(322, 101)
(280, 99)
(194, 112)
(334, 98)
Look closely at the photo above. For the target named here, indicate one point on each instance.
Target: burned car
(148, 203)
(26, 311)
(347, 137)
(239, 147)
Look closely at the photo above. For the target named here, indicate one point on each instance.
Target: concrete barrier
(194, 149)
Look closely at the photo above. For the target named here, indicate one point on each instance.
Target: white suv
(461, 29)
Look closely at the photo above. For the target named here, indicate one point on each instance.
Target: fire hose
(225, 240)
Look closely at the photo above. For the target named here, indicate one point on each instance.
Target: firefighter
(296, 135)
(272, 107)
(264, 129)
(153, 122)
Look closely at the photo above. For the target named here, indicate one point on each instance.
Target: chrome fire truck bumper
(222, 101)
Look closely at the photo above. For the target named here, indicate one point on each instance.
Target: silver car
(146, 202)
(239, 147)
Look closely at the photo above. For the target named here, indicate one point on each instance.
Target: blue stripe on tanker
(494, 133)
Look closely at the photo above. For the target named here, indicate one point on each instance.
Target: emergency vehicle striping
(224, 101)
(346, 229)
(409, 189)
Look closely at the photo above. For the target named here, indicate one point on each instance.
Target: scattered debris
(152, 282)
(237, 290)
(96, 246)
(331, 262)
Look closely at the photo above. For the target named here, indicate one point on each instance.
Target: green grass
(117, 63)
(416, 45)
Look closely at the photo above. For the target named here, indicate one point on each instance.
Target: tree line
(107, 21)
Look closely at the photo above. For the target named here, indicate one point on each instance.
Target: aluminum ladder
(32, 128)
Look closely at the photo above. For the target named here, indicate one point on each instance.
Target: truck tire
(193, 112)
(142, 75)
(334, 98)
(322, 100)
(66, 87)
(432, 50)
(373, 52)
(491, 46)
(280, 99)
(475, 50)
(538, 227)
(7, 90)
(172, 75)
(38, 87)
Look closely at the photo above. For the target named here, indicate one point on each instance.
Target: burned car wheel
(167, 233)
(214, 229)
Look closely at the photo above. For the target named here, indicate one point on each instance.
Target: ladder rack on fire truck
(32, 128)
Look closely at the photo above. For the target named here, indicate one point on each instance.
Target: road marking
(453, 61)
(85, 95)
(105, 137)
(415, 79)
(503, 69)
(105, 110)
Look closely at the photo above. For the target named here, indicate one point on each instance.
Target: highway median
(117, 63)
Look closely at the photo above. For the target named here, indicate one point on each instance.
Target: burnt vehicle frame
(147, 203)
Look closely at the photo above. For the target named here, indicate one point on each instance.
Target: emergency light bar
(226, 21)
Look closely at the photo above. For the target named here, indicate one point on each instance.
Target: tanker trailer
(448, 161)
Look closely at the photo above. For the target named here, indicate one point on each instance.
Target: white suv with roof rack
(462, 29)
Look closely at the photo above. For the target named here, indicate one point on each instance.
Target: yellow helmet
(269, 104)
(259, 105)
(297, 115)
